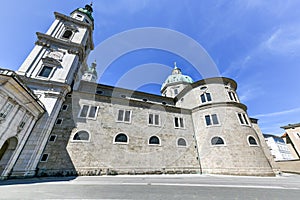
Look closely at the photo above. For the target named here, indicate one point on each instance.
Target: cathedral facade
(86, 128)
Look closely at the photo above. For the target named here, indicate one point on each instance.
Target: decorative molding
(55, 54)
(74, 48)
(51, 61)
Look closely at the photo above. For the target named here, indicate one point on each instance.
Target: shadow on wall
(56, 160)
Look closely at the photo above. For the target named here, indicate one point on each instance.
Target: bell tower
(55, 64)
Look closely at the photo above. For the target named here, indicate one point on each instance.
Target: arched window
(121, 138)
(82, 135)
(67, 34)
(154, 140)
(181, 142)
(252, 141)
(217, 141)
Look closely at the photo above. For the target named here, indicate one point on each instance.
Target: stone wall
(290, 166)
(101, 155)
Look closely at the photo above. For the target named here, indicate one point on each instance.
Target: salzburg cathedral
(56, 120)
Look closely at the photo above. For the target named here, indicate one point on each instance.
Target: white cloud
(280, 113)
(237, 66)
(284, 40)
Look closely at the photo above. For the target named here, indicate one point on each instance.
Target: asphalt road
(165, 187)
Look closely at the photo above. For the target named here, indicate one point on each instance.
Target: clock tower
(55, 64)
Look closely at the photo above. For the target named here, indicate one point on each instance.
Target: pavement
(165, 187)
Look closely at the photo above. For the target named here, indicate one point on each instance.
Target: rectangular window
(46, 71)
(23, 122)
(52, 138)
(203, 100)
(243, 118)
(44, 157)
(67, 34)
(150, 121)
(120, 115)
(205, 97)
(232, 96)
(64, 107)
(211, 120)
(59, 121)
(92, 111)
(178, 122)
(84, 111)
(215, 119)
(154, 119)
(6, 110)
(88, 111)
(175, 92)
(127, 116)
(124, 115)
(208, 97)
(207, 120)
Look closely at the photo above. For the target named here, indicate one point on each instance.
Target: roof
(17, 79)
(176, 77)
(88, 10)
(218, 80)
(291, 126)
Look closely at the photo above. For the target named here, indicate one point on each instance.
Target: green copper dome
(177, 77)
(88, 10)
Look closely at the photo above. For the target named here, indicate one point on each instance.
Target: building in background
(292, 138)
(278, 148)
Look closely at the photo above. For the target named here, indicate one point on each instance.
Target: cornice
(220, 104)
(291, 126)
(73, 48)
(46, 83)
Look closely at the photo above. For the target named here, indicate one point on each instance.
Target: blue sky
(255, 42)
